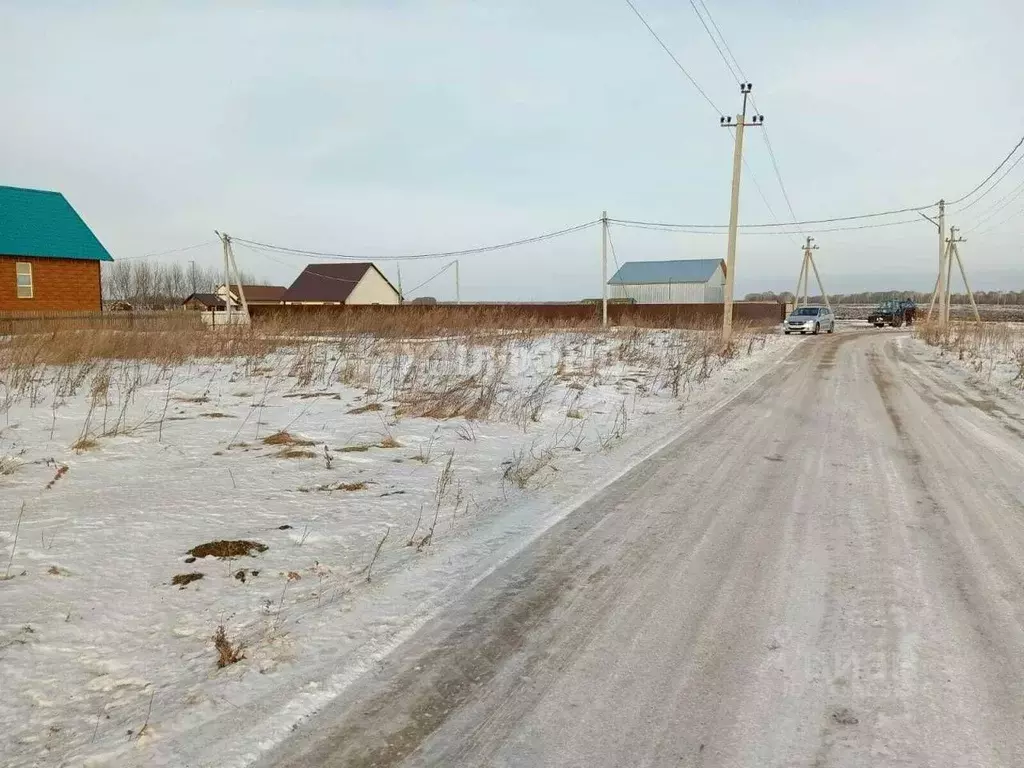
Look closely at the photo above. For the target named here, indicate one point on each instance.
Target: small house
(49, 258)
(344, 283)
(255, 295)
(204, 302)
(683, 281)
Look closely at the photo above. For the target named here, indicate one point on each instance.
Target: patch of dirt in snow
(228, 549)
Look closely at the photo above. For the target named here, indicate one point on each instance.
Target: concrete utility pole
(458, 293)
(943, 255)
(734, 210)
(192, 270)
(230, 266)
(954, 251)
(604, 268)
(805, 270)
(224, 240)
(401, 296)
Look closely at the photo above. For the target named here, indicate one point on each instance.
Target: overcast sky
(389, 127)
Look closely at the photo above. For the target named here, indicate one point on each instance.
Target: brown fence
(758, 314)
(47, 322)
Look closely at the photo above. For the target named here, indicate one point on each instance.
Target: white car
(810, 319)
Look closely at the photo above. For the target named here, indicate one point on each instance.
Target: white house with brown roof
(341, 284)
(256, 295)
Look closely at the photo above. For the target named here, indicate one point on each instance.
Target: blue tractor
(893, 312)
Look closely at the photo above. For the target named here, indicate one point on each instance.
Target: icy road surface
(829, 572)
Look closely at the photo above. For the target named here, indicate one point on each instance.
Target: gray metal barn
(683, 281)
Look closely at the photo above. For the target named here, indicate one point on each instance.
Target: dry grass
(295, 453)
(284, 438)
(367, 408)
(184, 579)
(980, 346)
(228, 653)
(389, 442)
(84, 444)
(330, 487)
(226, 550)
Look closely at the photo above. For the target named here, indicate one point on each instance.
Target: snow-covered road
(827, 572)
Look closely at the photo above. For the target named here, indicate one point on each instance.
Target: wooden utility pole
(734, 210)
(604, 268)
(805, 270)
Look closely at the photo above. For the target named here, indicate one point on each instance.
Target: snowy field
(990, 354)
(365, 481)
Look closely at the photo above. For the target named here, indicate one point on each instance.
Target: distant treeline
(158, 285)
(873, 297)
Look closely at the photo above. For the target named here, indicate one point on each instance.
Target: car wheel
(832, 328)
(786, 332)
(816, 329)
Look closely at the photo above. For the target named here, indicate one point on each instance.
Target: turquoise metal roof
(659, 272)
(43, 224)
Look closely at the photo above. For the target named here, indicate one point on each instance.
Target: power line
(989, 177)
(433, 277)
(995, 184)
(689, 230)
(1000, 223)
(721, 53)
(806, 222)
(1005, 201)
(170, 252)
(760, 192)
(733, 71)
(309, 271)
(778, 173)
(416, 256)
(750, 172)
(724, 41)
(672, 56)
(616, 259)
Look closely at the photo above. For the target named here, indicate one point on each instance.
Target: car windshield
(806, 312)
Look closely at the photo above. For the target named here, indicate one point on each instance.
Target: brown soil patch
(354, 449)
(184, 579)
(228, 549)
(216, 415)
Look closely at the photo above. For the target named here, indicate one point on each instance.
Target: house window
(24, 272)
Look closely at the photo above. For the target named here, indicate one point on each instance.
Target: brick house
(49, 258)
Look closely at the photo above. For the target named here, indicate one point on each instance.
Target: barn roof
(43, 224)
(659, 272)
(329, 282)
(262, 292)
